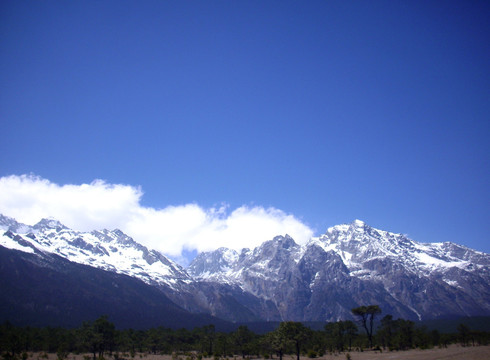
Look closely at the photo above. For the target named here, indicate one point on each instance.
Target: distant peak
(118, 232)
(282, 237)
(358, 223)
(354, 225)
(49, 223)
(285, 241)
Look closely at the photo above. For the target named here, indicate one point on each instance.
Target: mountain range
(348, 266)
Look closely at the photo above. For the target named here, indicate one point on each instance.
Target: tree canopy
(366, 313)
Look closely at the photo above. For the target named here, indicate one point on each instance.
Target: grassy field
(453, 352)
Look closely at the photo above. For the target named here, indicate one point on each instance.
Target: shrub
(8, 356)
(61, 354)
(311, 354)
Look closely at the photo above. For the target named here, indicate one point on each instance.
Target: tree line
(102, 340)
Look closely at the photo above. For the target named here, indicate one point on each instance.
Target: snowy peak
(10, 224)
(276, 247)
(48, 224)
(207, 264)
(272, 254)
(357, 242)
(226, 264)
(358, 224)
(107, 250)
(6, 222)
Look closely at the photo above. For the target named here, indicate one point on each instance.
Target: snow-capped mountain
(357, 243)
(116, 252)
(354, 264)
(108, 250)
(348, 266)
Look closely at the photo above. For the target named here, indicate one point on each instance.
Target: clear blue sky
(328, 110)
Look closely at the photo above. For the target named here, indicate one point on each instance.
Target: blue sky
(327, 111)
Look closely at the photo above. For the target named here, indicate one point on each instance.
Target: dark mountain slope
(48, 290)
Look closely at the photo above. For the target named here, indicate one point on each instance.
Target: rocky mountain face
(354, 264)
(350, 265)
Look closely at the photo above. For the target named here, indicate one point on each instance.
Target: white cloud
(170, 230)
(85, 207)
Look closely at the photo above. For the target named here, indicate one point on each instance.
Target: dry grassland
(450, 353)
(453, 352)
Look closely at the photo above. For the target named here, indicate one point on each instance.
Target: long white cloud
(172, 229)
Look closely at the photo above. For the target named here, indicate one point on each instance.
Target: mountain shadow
(43, 289)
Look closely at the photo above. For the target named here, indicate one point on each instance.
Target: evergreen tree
(385, 332)
(242, 338)
(278, 341)
(295, 332)
(464, 333)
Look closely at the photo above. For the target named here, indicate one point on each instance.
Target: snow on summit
(108, 250)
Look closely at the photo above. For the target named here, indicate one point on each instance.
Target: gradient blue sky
(328, 110)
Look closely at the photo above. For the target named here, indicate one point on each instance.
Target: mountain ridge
(389, 264)
(347, 266)
(108, 250)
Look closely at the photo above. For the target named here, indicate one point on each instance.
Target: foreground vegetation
(102, 340)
